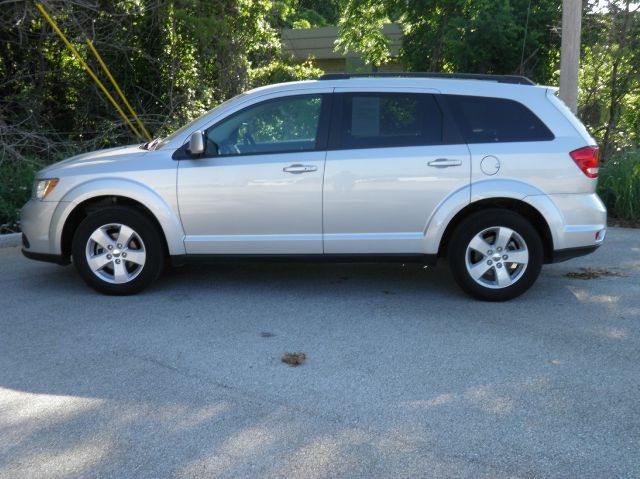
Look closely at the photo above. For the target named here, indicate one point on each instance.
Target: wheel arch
(521, 207)
(82, 200)
(84, 209)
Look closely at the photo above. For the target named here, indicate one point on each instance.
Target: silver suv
(492, 172)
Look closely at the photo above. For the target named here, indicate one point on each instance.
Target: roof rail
(514, 79)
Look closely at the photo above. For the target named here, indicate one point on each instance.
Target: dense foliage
(609, 102)
(619, 185)
(485, 36)
(175, 59)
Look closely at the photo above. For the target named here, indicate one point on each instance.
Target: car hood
(109, 155)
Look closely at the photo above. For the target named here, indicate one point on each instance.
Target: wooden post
(570, 52)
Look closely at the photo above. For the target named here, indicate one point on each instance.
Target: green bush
(619, 185)
(16, 178)
(279, 72)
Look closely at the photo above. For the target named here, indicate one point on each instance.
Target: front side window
(282, 125)
(375, 120)
(491, 120)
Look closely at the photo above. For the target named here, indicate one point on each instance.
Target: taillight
(588, 159)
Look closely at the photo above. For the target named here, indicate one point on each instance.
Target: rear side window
(375, 120)
(491, 120)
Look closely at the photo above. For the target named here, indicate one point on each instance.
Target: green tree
(609, 100)
(488, 36)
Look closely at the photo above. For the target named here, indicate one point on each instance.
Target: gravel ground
(404, 376)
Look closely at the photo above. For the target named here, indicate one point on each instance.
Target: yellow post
(86, 67)
(113, 82)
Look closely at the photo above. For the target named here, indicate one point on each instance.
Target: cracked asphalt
(404, 375)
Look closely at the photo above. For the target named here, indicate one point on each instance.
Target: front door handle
(298, 168)
(444, 163)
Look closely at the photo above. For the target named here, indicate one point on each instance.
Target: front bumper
(36, 224)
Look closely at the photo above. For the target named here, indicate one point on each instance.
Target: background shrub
(619, 185)
(16, 178)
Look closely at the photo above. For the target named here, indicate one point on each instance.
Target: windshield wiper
(150, 144)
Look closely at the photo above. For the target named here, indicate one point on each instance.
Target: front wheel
(118, 250)
(495, 255)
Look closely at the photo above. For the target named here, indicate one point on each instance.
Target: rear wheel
(118, 251)
(495, 255)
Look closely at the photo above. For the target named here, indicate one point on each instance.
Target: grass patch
(619, 186)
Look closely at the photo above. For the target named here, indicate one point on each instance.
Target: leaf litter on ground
(594, 273)
(294, 359)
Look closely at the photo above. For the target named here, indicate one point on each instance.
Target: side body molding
(165, 213)
(490, 189)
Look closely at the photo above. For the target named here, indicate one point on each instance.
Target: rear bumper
(561, 255)
(584, 221)
(577, 223)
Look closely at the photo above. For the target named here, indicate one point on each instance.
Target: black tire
(147, 240)
(487, 287)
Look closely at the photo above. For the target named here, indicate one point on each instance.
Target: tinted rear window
(490, 120)
(374, 120)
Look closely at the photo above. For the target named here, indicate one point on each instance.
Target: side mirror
(196, 143)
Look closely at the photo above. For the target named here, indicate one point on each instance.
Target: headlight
(41, 188)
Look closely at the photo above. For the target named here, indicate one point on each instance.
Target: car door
(393, 158)
(258, 187)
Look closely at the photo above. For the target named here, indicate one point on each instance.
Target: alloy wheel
(497, 257)
(115, 253)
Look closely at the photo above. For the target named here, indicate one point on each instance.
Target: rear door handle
(298, 168)
(444, 163)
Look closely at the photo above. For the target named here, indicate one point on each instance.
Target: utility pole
(570, 52)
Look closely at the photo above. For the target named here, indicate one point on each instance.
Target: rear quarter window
(491, 120)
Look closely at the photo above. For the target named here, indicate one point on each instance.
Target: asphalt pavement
(404, 375)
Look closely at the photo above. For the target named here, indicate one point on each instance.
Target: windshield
(178, 132)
